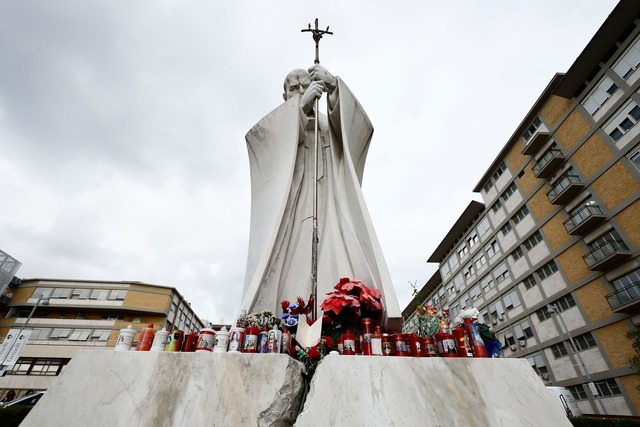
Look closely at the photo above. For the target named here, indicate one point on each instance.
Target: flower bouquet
(351, 301)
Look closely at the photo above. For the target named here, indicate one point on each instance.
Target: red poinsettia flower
(336, 300)
(314, 353)
(328, 342)
(285, 305)
(371, 302)
(353, 287)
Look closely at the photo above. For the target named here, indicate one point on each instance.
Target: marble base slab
(100, 388)
(143, 389)
(405, 391)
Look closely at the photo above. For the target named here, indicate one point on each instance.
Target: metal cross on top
(317, 35)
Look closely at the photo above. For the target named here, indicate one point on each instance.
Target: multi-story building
(560, 227)
(73, 315)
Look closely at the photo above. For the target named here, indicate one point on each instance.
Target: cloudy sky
(122, 152)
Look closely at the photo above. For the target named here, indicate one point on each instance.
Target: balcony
(584, 219)
(625, 299)
(536, 142)
(606, 255)
(548, 163)
(565, 189)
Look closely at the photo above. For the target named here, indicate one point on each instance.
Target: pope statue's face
(296, 83)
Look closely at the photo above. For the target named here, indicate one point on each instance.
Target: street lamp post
(42, 299)
(553, 309)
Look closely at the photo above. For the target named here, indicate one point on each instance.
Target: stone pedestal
(406, 391)
(143, 389)
(204, 389)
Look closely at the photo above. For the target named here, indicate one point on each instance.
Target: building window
(600, 94)
(38, 366)
(538, 364)
(511, 300)
(116, 295)
(517, 253)
(509, 340)
(546, 270)
(497, 205)
(533, 240)
(559, 350)
(60, 333)
(607, 387)
(462, 251)
(496, 311)
(531, 130)
(42, 292)
(509, 191)
(623, 121)
(479, 260)
(627, 65)
(501, 272)
(475, 293)
(520, 215)
(99, 294)
(578, 391)
(79, 335)
(506, 228)
(627, 280)
(483, 226)
(468, 271)
(584, 341)
(563, 303)
(451, 289)
(458, 281)
(80, 293)
(455, 310)
(488, 185)
(499, 171)
(523, 330)
(39, 334)
(100, 335)
(635, 159)
(453, 261)
(472, 239)
(444, 269)
(61, 293)
(492, 248)
(464, 301)
(487, 282)
(529, 281)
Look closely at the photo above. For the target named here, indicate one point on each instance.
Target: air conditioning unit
(15, 282)
(494, 322)
(523, 343)
(545, 376)
(512, 347)
(501, 317)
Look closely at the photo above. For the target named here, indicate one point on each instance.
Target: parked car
(28, 400)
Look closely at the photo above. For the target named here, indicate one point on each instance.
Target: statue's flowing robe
(281, 155)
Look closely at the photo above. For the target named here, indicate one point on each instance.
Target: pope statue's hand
(313, 92)
(320, 74)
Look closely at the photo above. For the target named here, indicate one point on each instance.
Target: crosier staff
(317, 35)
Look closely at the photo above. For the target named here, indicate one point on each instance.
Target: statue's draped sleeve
(272, 144)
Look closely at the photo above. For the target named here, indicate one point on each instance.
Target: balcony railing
(625, 298)
(549, 163)
(536, 142)
(584, 219)
(564, 189)
(606, 255)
